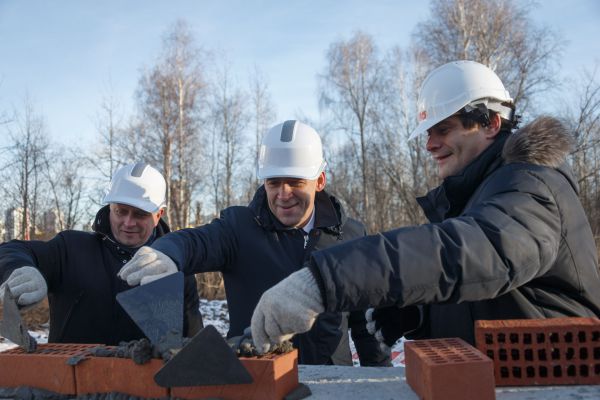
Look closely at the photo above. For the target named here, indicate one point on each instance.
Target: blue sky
(68, 55)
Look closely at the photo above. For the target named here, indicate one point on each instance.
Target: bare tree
(109, 127)
(497, 33)
(262, 113)
(23, 167)
(350, 89)
(171, 97)
(229, 121)
(63, 171)
(583, 118)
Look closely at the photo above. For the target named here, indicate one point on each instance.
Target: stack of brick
(557, 351)
(47, 368)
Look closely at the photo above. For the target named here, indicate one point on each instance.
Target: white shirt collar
(310, 224)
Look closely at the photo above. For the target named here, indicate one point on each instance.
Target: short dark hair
(472, 119)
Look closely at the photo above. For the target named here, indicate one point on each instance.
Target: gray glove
(290, 307)
(27, 285)
(147, 265)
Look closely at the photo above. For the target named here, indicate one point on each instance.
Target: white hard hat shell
(449, 88)
(291, 150)
(138, 185)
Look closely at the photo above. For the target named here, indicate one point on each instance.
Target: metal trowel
(12, 326)
(157, 308)
(206, 360)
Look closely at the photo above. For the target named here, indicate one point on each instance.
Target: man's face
(131, 226)
(292, 200)
(453, 146)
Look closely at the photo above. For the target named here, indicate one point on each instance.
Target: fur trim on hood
(544, 141)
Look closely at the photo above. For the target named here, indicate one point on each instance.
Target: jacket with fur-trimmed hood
(507, 239)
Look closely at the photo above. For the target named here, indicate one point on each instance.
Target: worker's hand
(27, 285)
(147, 265)
(287, 308)
(388, 324)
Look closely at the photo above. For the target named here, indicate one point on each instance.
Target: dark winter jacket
(508, 239)
(254, 251)
(80, 269)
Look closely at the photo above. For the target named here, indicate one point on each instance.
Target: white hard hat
(137, 185)
(449, 88)
(291, 150)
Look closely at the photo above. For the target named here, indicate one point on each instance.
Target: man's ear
(159, 215)
(494, 127)
(321, 181)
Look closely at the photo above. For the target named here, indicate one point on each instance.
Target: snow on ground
(215, 313)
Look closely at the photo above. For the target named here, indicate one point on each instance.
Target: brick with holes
(275, 377)
(554, 351)
(46, 368)
(448, 369)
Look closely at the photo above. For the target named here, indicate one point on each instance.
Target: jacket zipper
(68, 317)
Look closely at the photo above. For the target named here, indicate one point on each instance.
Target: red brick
(46, 368)
(555, 351)
(274, 377)
(122, 375)
(448, 369)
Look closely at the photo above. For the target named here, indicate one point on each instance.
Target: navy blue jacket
(80, 269)
(254, 251)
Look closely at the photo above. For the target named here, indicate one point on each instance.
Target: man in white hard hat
(78, 270)
(507, 238)
(257, 246)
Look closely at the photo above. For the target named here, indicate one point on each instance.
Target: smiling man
(257, 246)
(78, 270)
(507, 237)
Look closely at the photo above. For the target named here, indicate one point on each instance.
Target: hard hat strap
(479, 111)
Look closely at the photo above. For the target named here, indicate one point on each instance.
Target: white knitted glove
(27, 285)
(290, 307)
(147, 265)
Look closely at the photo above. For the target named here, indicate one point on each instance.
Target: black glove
(388, 324)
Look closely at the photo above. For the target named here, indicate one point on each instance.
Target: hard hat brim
(291, 172)
(423, 127)
(143, 205)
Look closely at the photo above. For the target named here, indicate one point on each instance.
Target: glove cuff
(309, 289)
(414, 318)
(316, 274)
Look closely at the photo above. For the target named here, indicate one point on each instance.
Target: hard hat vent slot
(138, 169)
(287, 131)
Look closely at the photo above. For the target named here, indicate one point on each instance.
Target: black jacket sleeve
(211, 247)
(507, 237)
(45, 256)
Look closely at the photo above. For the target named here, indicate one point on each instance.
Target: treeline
(201, 127)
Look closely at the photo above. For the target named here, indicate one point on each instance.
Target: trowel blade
(12, 327)
(156, 307)
(206, 360)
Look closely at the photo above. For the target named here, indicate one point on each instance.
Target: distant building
(13, 225)
(51, 222)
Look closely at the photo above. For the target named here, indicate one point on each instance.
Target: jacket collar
(450, 198)
(329, 215)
